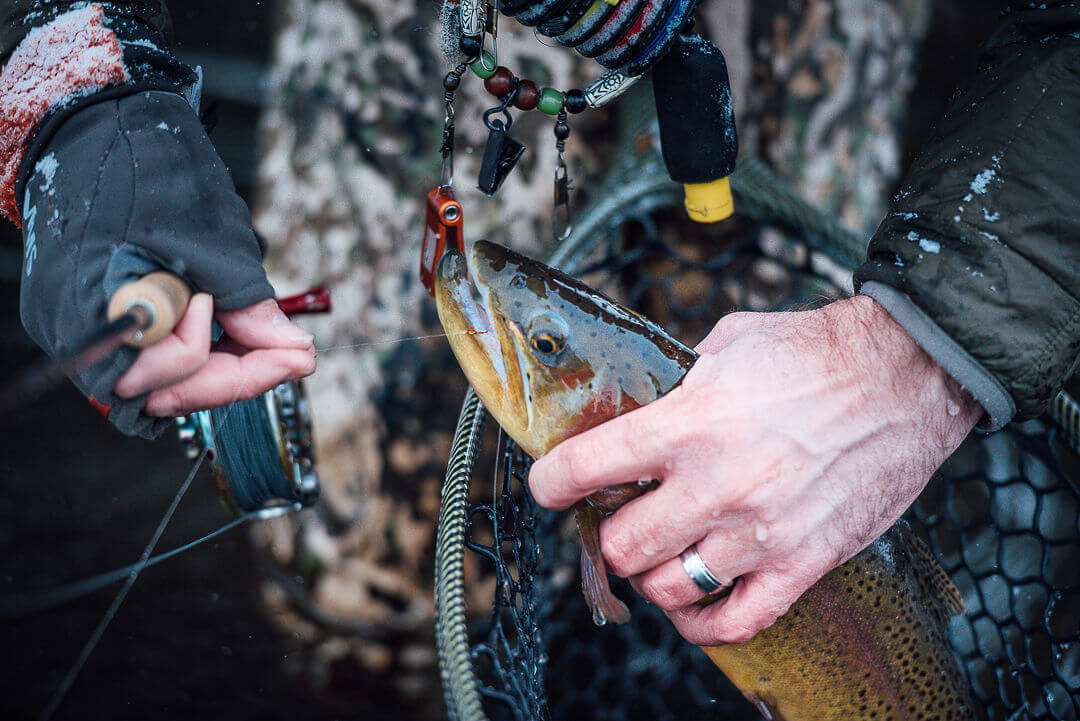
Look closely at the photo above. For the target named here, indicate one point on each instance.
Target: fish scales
(875, 627)
(554, 358)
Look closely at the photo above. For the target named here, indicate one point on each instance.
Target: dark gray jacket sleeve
(979, 256)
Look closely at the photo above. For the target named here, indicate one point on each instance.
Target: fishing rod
(261, 451)
(141, 313)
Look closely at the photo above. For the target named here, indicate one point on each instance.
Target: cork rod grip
(159, 299)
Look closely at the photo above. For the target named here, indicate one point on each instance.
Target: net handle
(460, 687)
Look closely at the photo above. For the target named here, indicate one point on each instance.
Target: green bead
(551, 101)
(478, 66)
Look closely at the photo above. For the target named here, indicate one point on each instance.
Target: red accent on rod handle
(100, 407)
(310, 302)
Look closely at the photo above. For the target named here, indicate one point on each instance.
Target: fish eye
(547, 334)
(546, 342)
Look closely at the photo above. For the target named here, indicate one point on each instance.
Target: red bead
(528, 96)
(501, 83)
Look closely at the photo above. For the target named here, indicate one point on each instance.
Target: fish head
(549, 356)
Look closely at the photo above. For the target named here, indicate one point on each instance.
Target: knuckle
(574, 460)
(661, 594)
(639, 433)
(192, 359)
(731, 629)
(165, 403)
(245, 390)
(620, 552)
(738, 319)
(735, 633)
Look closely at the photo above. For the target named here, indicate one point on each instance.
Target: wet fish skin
(866, 643)
(542, 399)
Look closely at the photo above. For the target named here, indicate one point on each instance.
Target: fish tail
(594, 582)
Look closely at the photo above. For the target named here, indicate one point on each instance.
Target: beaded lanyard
(628, 38)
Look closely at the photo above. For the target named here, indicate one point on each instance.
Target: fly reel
(260, 451)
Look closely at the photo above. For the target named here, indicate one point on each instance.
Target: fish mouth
(482, 338)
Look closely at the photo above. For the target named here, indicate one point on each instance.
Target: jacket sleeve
(59, 56)
(979, 256)
(18, 17)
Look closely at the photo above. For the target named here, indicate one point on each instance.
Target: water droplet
(953, 407)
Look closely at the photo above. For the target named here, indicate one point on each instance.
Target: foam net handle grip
(698, 136)
(160, 300)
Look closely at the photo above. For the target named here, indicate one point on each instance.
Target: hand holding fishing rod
(115, 193)
(153, 305)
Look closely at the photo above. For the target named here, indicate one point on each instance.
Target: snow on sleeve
(73, 55)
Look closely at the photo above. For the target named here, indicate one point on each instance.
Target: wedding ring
(699, 573)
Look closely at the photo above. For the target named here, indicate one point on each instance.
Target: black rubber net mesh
(1001, 516)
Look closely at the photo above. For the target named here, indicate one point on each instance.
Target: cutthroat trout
(551, 357)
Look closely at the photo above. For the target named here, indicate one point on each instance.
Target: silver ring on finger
(699, 573)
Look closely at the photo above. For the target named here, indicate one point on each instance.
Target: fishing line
(250, 460)
(18, 605)
(398, 340)
(114, 607)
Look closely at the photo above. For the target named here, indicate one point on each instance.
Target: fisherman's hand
(132, 185)
(794, 442)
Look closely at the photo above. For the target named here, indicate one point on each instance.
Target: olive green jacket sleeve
(979, 256)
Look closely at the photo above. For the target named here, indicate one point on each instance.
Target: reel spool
(260, 451)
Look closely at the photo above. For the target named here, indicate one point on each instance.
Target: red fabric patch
(100, 407)
(75, 54)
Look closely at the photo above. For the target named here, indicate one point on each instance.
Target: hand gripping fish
(551, 358)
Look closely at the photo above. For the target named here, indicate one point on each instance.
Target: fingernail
(292, 332)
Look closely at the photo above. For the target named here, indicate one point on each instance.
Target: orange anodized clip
(442, 231)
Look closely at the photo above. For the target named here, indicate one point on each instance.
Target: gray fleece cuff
(956, 361)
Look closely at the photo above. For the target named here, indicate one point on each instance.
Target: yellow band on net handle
(710, 202)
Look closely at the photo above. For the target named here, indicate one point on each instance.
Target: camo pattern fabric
(349, 150)
(831, 82)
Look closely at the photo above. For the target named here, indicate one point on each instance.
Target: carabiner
(561, 224)
(494, 40)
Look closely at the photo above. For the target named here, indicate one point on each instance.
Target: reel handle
(315, 301)
(158, 300)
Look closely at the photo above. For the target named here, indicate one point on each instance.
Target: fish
(551, 357)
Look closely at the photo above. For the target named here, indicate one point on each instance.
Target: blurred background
(205, 634)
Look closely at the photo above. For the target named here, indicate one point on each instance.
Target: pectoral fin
(594, 581)
(937, 584)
